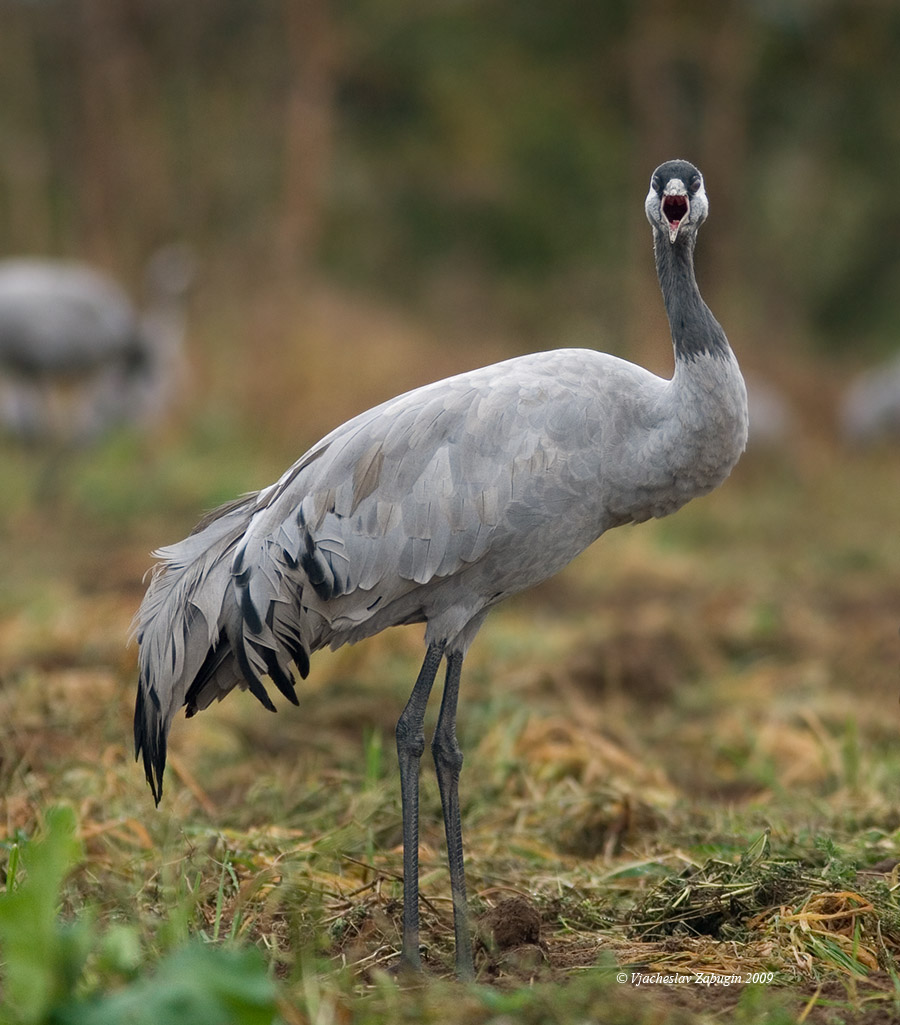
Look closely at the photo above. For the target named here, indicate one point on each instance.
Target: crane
(869, 409)
(434, 507)
(76, 358)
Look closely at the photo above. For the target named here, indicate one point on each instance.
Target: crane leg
(448, 761)
(410, 745)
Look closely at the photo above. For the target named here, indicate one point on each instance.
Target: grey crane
(772, 420)
(432, 508)
(76, 358)
(869, 410)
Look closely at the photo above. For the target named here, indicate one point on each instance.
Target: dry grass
(681, 755)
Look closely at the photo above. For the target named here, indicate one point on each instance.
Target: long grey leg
(410, 745)
(448, 761)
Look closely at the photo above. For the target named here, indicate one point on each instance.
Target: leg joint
(446, 752)
(410, 741)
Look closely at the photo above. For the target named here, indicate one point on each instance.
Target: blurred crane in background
(434, 507)
(869, 409)
(77, 359)
(772, 420)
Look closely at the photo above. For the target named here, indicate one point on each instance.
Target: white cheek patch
(676, 206)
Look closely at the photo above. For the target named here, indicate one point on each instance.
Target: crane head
(676, 204)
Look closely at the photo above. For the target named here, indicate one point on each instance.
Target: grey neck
(695, 331)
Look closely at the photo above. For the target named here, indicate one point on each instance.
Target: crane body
(432, 508)
(76, 357)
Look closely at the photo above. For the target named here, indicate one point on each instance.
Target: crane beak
(674, 208)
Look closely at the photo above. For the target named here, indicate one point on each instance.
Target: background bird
(76, 357)
(869, 410)
(772, 419)
(435, 506)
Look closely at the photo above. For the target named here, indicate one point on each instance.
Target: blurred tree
(309, 114)
(26, 158)
(467, 154)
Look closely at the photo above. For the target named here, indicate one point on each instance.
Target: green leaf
(42, 961)
(198, 984)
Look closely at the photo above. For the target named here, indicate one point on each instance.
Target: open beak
(674, 208)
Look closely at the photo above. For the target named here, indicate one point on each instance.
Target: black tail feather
(252, 678)
(214, 658)
(288, 634)
(299, 655)
(279, 677)
(150, 741)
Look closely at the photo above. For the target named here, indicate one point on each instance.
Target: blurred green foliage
(74, 973)
(42, 957)
(427, 149)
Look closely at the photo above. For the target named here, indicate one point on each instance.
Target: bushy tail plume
(201, 635)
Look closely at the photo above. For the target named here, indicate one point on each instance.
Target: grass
(681, 760)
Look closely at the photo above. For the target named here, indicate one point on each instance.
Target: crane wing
(416, 489)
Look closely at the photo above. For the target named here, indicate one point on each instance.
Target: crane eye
(655, 184)
(695, 185)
